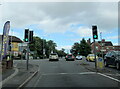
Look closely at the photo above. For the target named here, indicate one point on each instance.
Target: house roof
(106, 43)
(14, 39)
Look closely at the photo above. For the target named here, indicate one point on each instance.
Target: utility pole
(101, 44)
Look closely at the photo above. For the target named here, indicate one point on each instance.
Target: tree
(75, 49)
(51, 46)
(85, 48)
(39, 44)
(61, 52)
(82, 48)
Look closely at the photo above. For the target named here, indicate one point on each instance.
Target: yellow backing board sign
(100, 63)
(15, 46)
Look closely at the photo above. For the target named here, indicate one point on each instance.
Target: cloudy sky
(63, 22)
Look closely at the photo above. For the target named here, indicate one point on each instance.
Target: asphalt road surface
(64, 73)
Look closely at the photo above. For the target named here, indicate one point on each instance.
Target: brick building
(103, 46)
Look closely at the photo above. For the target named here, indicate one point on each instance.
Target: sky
(63, 22)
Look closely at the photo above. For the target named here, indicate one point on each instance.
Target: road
(68, 74)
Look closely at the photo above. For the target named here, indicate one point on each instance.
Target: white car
(79, 57)
(53, 57)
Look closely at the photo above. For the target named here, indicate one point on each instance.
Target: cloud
(115, 44)
(67, 47)
(58, 16)
(84, 31)
(15, 33)
(113, 37)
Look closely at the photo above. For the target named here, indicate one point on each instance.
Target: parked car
(78, 57)
(91, 57)
(70, 57)
(112, 58)
(53, 57)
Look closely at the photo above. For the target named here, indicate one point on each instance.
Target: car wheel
(117, 65)
(105, 63)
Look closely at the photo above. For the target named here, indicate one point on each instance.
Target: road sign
(100, 63)
(100, 59)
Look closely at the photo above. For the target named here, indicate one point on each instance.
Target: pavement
(18, 76)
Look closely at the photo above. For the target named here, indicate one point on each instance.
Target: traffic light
(94, 29)
(26, 38)
(31, 36)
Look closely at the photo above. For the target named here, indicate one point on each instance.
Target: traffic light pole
(28, 38)
(27, 60)
(95, 55)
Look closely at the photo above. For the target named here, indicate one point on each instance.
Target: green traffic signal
(94, 29)
(26, 39)
(95, 36)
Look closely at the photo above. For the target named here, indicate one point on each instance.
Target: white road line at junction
(109, 77)
(112, 74)
(82, 73)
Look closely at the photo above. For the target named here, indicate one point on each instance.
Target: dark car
(70, 57)
(112, 58)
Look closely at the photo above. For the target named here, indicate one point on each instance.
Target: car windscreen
(117, 53)
(69, 56)
(92, 55)
(53, 54)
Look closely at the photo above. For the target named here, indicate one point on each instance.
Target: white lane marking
(88, 73)
(112, 74)
(109, 77)
(82, 73)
